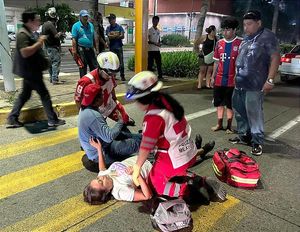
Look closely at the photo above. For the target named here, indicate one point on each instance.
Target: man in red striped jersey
(223, 75)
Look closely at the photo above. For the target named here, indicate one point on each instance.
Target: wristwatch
(270, 81)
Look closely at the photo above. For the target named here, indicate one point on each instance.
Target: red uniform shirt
(107, 86)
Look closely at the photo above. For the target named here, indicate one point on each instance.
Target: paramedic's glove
(135, 174)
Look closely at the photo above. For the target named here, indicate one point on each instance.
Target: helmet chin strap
(105, 75)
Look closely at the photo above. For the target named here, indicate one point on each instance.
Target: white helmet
(51, 12)
(108, 61)
(143, 84)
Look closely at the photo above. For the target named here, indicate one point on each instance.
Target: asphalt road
(42, 177)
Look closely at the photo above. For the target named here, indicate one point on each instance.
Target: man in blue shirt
(257, 65)
(83, 42)
(117, 145)
(115, 34)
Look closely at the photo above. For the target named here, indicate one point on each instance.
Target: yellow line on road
(206, 217)
(17, 148)
(72, 215)
(36, 175)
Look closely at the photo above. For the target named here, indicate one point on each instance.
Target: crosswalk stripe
(17, 148)
(72, 214)
(207, 216)
(36, 175)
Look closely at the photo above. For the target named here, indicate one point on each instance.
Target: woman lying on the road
(117, 180)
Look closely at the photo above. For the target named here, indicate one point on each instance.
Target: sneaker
(256, 149)
(237, 140)
(217, 128)
(123, 79)
(229, 131)
(198, 141)
(14, 123)
(58, 122)
(130, 122)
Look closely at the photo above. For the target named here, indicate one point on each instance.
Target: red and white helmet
(108, 61)
(142, 84)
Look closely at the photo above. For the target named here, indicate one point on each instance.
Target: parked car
(289, 67)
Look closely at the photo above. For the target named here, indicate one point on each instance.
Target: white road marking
(271, 137)
(283, 129)
(200, 113)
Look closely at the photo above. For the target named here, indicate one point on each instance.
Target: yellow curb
(70, 108)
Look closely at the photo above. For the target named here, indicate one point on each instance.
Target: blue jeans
(55, 59)
(248, 111)
(119, 149)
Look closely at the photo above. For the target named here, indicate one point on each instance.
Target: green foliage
(65, 14)
(285, 48)
(175, 40)
(176, 64)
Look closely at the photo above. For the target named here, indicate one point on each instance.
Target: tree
(275, 16)
(200, 25)
(66, 16)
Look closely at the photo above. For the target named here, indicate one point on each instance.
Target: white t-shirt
(124, 188)
(153, 36)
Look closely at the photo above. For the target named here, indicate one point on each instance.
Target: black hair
(155, 17)
(230, 22)
(252, 14)
(28, 15)
(161, 100)
(95, 196)
(210, 29)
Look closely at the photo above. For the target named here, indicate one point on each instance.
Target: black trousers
(89, 59)
(155, 55)
(119, 53)
(39, 86)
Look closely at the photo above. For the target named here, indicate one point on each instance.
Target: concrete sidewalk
(62, 96)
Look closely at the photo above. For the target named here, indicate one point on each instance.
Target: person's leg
(218, 102)
(229, 111)
(122, 149)
(50, 55)
(201, 75)
(55, 64)
(158, 64)
(42, 91)
(150, 61)
(161, 174)
(254, 108)
(83, 70)
(13, 117)
(121, 58)
(91, 59)
(239, 109)
(208, 75)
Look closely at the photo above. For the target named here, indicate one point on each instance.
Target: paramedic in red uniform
(223, 75)
(167, 133)
(104, 76)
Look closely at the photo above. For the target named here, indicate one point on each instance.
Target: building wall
(179, 6)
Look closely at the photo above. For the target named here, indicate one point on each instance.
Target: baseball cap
(89, 94)
(252, 14)
(111, 16)
(83, 13)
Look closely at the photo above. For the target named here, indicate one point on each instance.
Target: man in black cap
(256, 68)
(115, 34)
